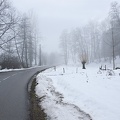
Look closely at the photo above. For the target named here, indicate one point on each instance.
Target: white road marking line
(14, 74)
(7, 77)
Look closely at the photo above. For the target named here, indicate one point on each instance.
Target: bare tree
(83, 58)
(18, 34)
(95, 40)
(64, 44)
(83, 47)
(7, 21)
(40, 55)
(115, 24)
(25, 42)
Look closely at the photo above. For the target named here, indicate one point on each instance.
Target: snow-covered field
(79, 94)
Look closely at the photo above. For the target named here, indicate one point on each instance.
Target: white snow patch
(93, 91)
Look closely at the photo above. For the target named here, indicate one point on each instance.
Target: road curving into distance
(14, 102)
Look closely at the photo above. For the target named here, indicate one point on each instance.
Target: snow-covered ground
(7, 70)
(79, 94)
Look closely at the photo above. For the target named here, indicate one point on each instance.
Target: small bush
(9, 62)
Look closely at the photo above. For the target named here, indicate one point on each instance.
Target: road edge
(35, 112)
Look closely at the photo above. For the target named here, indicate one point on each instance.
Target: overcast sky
(56, 15)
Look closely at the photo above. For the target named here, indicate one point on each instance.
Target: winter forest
(20, 43)
(18, 38)
(96, 41)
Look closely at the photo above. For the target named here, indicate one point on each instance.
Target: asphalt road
(14, 94)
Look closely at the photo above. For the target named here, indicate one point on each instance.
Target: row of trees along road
(94, 41)
(18, 37)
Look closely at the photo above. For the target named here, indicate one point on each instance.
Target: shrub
(9, 62)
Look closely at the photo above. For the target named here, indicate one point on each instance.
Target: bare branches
(64, 44)
(17, 35)
(7, 21)
(7, 41)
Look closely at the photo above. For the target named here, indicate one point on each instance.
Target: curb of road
(35, 110)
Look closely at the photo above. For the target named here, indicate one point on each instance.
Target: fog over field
(66, 53)
(33, 32)
(53, 16)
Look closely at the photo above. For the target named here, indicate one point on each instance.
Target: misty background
(44, 32)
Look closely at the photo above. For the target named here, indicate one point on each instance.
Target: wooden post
(105, 67)
(63, 70)
(55, 68)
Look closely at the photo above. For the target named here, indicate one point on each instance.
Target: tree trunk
(113, 48)
(83, 63)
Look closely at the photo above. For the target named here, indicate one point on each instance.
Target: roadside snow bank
(52, 102)
(7, 70)
(91, 90)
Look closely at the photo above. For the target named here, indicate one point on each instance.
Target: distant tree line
(18, 38)
(94, 41)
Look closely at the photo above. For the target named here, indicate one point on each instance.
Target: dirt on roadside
(36, 112)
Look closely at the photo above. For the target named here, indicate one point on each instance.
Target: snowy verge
(53, 104)
(8, 70)
(68, 91)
